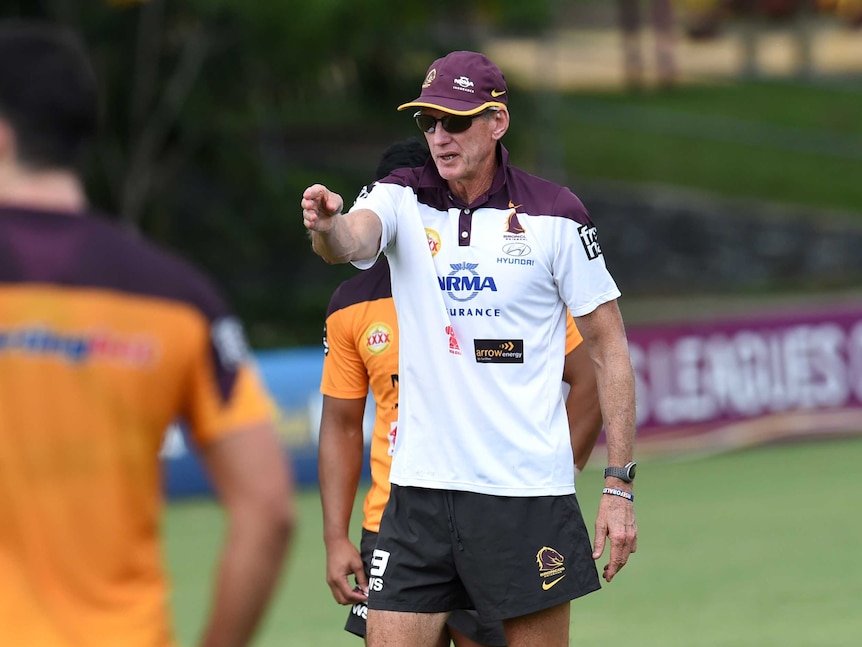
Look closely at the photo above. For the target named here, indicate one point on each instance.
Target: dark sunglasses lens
(450, 123)
(426, 123)
(456, 123)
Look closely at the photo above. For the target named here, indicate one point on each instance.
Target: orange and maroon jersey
(104, 340)
(361, 352)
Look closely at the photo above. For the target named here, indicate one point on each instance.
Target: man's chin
(448, 170)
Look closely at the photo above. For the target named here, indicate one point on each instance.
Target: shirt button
(466, 211)
(463, 234)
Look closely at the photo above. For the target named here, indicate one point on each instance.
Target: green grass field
(788, 142)
(782, 142)
(751, 549)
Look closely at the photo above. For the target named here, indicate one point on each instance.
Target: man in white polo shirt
(484, 261)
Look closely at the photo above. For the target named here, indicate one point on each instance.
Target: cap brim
(452, 107)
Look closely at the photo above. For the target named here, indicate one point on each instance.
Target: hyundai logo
(517, 249)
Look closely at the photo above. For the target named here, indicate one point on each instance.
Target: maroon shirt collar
(430, 179)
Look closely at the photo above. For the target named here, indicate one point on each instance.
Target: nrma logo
(464, 283)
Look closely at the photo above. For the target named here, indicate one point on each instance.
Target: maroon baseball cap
(462, 83)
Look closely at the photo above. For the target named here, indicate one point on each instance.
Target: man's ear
(501, 124)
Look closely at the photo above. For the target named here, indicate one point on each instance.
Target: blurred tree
(849, 10)
(217, 113)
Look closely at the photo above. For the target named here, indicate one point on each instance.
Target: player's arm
(604, 334)
(582, 404)
(252, 479)
(339, 467)
(337, 237)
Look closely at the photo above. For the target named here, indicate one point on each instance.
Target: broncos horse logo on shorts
(551, 568)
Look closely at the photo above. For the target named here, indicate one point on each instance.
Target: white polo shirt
(481, 291)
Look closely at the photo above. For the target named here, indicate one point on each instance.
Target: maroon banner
(713, 386)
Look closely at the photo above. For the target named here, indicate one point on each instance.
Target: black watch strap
(626, 473)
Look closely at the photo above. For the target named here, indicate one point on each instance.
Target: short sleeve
(225, 392)
(579, 265)
(344, 372)
(382, 199)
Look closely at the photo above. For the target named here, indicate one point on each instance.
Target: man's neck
(52, 190)
(470, 189)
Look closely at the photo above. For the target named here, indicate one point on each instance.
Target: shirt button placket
(464, 226)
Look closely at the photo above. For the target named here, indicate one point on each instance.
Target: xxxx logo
(378, 337)
(433, 241)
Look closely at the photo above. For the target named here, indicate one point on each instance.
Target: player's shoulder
(369, 285)
(91, 251)
(398, 181)
(542, 197)
(388, 187)
(148, 269)
(405, 177)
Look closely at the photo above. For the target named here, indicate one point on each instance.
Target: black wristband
(618, 492)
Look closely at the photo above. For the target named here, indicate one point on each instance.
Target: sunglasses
(451, 123)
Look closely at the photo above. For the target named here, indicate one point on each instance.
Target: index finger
(601, 538)
(346, 594)
(314, 192)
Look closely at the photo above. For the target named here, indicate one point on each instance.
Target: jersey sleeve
(344, 373)
(381, 198)
(573, 335)
(225, 392)
(579, 265)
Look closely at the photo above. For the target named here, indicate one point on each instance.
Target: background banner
(702, 387)
(726, 384)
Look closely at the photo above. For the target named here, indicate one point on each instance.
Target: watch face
(632, 468)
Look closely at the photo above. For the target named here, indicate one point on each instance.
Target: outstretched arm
(337, 237)
(339, 467)
(249, 472)
(605, 337)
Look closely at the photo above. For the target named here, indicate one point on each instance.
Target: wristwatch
(626, 473)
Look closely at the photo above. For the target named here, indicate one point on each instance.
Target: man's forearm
(336, 245)
(340, 467)
(603, 330)
(350, 237)
(247, 574)
(617, 394)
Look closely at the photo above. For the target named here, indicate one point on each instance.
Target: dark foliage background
(218, 113)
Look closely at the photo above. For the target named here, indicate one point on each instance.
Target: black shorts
(464, 621)
(440, 550)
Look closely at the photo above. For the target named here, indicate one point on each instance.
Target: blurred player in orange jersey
(361, 346)
(104, 341)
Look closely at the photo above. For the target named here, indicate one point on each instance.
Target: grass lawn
(777, 141)
(750, 549)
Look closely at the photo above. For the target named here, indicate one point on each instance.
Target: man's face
(461, 157)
